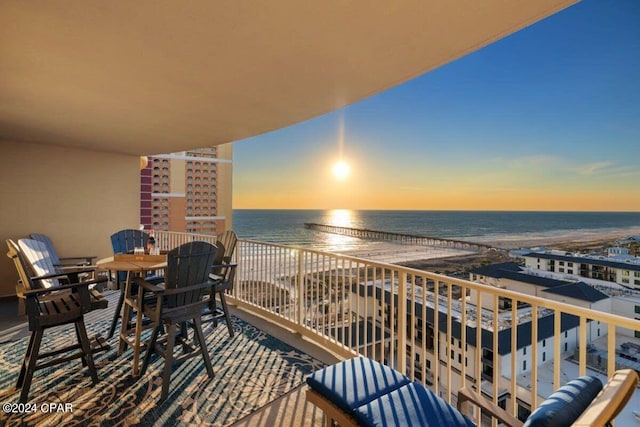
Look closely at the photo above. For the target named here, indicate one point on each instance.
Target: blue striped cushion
(410, 405)
(354, 382)
(565, 405)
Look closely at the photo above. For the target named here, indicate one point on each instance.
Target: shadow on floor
(9, 316)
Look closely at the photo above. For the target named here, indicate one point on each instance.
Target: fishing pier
(408, 239)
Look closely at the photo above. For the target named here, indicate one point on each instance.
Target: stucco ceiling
(156, 76)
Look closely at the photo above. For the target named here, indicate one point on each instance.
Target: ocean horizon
(286, 226)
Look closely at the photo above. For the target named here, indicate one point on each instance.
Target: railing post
(300, 284)
(402, 322)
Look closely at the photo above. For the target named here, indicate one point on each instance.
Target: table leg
(126, 311)
(118, 313)
(126, 315)
(136, 344)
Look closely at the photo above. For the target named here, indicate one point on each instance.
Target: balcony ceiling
(156, 76)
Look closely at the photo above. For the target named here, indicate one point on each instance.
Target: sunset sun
(341, 170)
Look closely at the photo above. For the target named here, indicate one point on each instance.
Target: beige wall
(177, 212)
(77, 197)
(225, 185)
(177, 179)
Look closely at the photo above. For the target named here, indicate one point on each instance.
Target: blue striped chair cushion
(410, 405)
(566, 404)
(354, 382)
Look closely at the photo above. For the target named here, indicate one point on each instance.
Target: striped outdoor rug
(251, 370)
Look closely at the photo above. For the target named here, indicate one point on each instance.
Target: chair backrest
(228, 239)
(18, 261)
(187, 265)
(53, 254)
(125, 241)
(218, 259)
(221, 268)
(37, 260)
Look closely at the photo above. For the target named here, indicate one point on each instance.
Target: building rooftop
(545, 320)
(580, 291)
(586, 259)
(513, 271)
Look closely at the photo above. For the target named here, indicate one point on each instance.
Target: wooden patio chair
(582, 402)
(57, 260)
(179, 301)
(228, 239)
(363, 392)
(48, 307)
(37, 272)
(124, 242)
(223, 274)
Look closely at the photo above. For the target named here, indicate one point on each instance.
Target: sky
(547, 118)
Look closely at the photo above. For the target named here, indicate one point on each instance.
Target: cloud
(627, 172)
(537, 160)
(547, 163)
(594, 168)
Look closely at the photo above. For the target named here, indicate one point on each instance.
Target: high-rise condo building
(188, 191)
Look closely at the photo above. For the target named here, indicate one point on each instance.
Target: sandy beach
(583, 238)
(448, 261)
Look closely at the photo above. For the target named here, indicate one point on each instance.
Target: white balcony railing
(166, 240)
(386, 312)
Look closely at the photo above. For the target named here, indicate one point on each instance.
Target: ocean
(287, 226)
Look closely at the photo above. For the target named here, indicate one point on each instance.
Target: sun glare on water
(341, 170)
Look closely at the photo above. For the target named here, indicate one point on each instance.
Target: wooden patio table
(133, 264)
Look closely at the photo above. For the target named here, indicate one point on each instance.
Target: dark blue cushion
(411, 405)
(354, 382)
(565, 405)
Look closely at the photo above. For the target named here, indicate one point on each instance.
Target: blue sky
(545, 119)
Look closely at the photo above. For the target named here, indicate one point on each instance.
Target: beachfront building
(517, 278)
(627, 305)
(377, 312)
(189, 191)
(625, 271)
(590, 293)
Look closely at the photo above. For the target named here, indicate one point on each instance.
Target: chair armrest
(100, 279)
(465, 394)
(610, 401)
(20, 291)
(71, 286)
(217, 277)
(65, 274)
(77, 269)
(148, 286)
(74, 259)
(232, 265)
(49, 276)
(173, 291)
